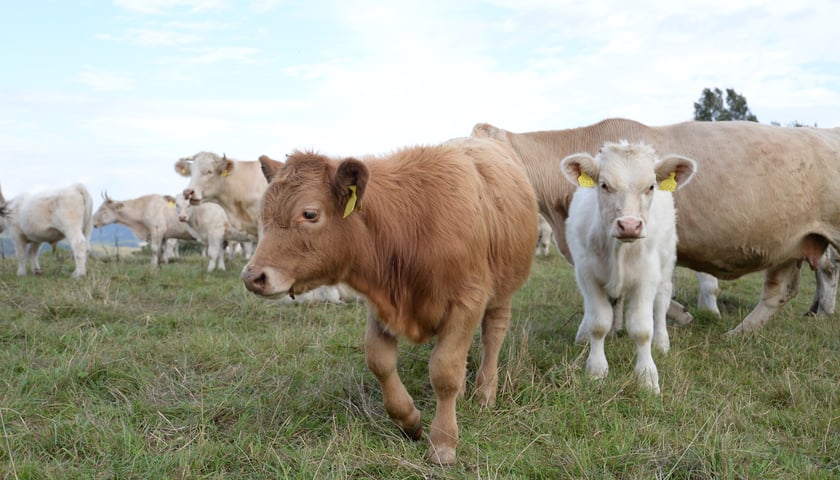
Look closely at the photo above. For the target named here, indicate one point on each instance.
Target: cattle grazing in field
(543, 238)
(622, 235)
(825, 295)
(209, 224)
(765, 198)
(437, 239)
(235, 185)
(151, 217)
(48, 217)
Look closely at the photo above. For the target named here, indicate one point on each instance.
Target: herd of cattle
(437, 239)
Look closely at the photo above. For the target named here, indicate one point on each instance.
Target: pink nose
(254, 280)
(629, 227)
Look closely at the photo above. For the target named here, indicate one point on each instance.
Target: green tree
(711, 108)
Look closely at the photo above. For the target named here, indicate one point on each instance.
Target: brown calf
(437, 238)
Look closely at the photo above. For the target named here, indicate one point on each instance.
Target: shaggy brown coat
(438, 240)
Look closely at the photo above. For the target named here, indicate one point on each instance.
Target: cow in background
(235, 185)
(543, 238)
(438, 239)
(622, 236)
(772, 192)
(209, 224)
(48, 217)
(151, 217)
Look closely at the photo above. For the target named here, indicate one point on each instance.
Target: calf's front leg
(381, 359)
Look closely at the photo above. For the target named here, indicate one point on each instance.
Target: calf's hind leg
(494, 327)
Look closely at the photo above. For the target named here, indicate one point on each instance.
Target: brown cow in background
(437, 238)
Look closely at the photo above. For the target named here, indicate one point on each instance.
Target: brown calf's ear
(269, 167)
(349, 185)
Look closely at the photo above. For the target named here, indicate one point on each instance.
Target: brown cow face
(306, 239)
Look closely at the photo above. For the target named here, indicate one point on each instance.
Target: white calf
(48, 217)
(621, 233)
(209, 224)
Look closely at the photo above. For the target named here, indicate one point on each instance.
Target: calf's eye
(310, 215)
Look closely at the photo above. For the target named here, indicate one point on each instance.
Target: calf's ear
(182, 167)
(269, 167)
(682, 168)
(581, 169)
(349, 184)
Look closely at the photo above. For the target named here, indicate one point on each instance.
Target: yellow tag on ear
(171, 203)
(351, 202)
(224, 173)
(585, 181)
(185, 171)
(669, 184)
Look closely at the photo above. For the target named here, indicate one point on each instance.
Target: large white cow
(622, 235)
(151, 217)
(48, 217)
(235, 185)
(209, 224)
(765, 198)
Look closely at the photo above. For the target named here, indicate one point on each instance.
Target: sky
(112, 93)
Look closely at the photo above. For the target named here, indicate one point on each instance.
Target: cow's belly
(43, 234)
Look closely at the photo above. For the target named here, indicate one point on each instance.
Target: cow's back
(742, 169)
(507, 204)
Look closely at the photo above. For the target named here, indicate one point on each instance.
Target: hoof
(415, 433)
(442, 456)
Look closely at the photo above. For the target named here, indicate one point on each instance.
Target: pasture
(134, 372)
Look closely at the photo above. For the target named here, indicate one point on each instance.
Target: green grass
(140, 373)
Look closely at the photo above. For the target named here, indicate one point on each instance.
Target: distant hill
(109, 235)
(114, 234)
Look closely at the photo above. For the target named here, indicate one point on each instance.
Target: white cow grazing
(622, 236)
(210, 225)
(48, 217)
(544, 234)
(151, 218)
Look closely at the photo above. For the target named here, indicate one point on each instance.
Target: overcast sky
(111, 94)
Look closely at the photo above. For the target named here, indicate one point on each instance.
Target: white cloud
(106, 81)
(160, 6)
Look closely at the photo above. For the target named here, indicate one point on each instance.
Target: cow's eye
(605, 187)
(652, 188)
(310, 215)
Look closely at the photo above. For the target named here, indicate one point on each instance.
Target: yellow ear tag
(171, 203)
(585, 181)
(669, 184)
(224, 173)
(351, 202)
(185, 171)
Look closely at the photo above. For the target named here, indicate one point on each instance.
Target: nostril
(254, 281)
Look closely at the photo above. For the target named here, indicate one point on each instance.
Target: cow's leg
(381, 359)
(640, 327)
(661, 302)
(215, 250)
(707, 293)
(447, 370)
(494, 328)
(598, 315)
(780, 285)
(827, 273)
(79, 246)
(155, 244)
(33, 250)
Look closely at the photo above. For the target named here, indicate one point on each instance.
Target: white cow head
(626, 177)
(206, 171)
(108, 212)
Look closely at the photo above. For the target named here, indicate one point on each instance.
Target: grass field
(142, 373)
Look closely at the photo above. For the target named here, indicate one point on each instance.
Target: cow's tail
(87, 218)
